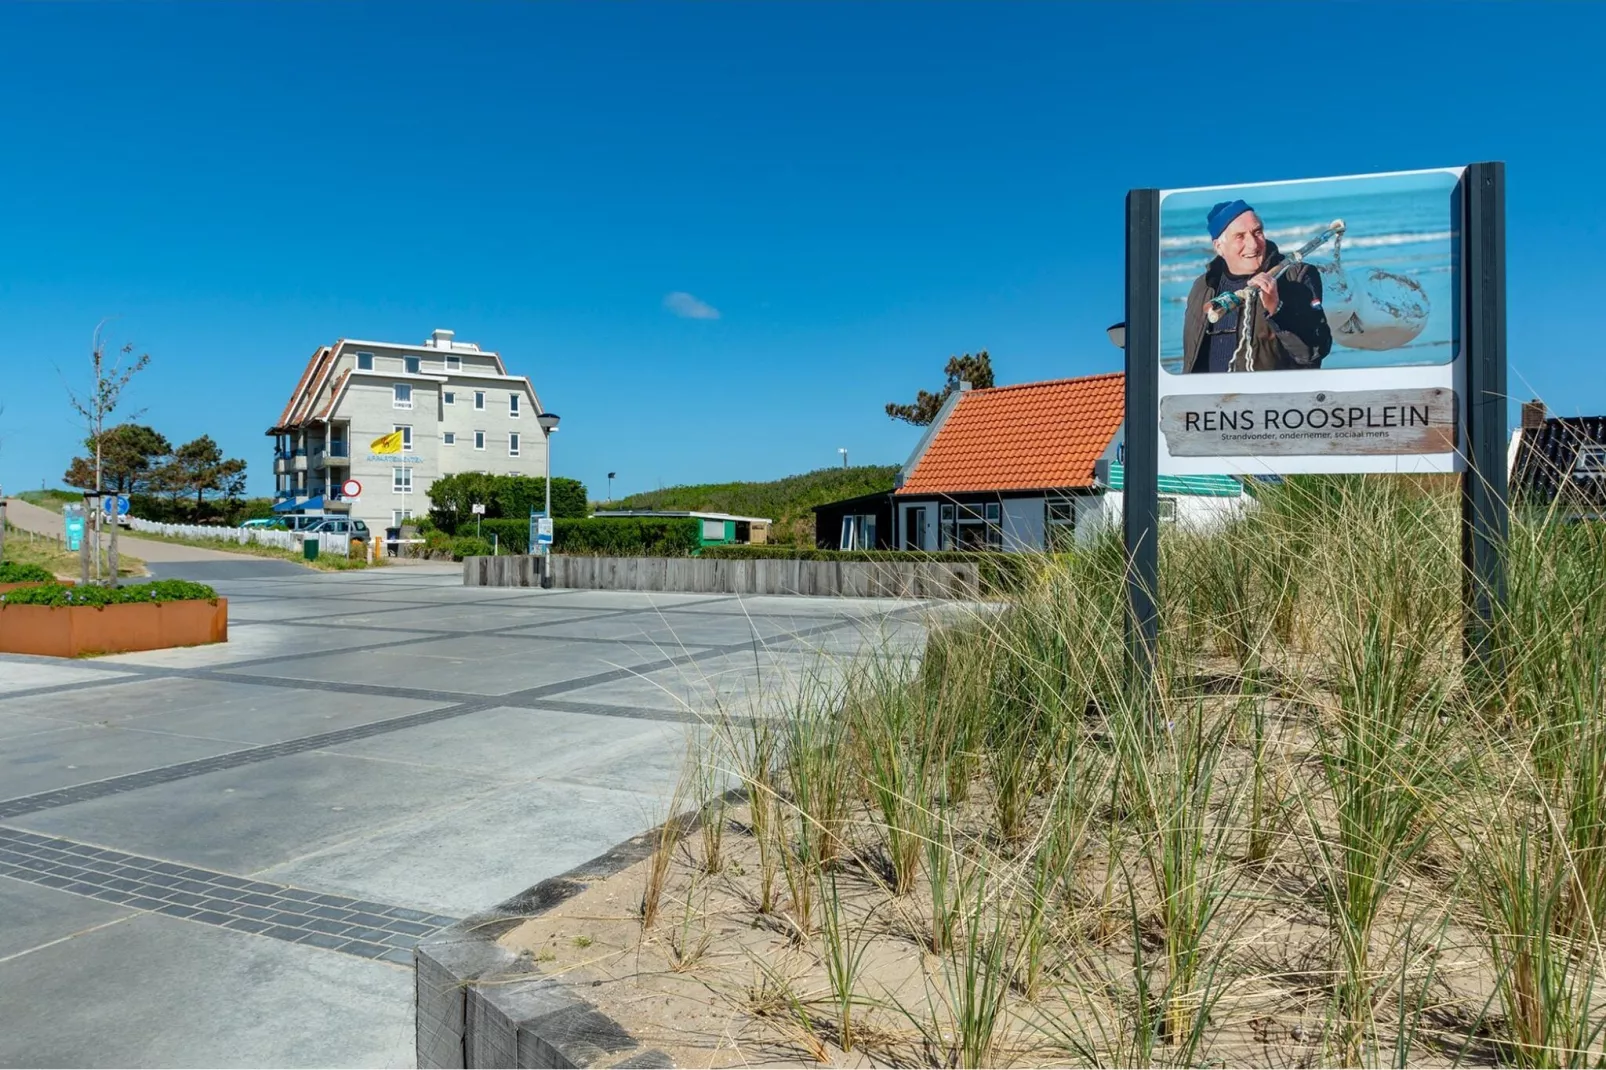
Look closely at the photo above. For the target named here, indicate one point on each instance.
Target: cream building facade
(386, 419)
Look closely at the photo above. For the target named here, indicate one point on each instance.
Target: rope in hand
(1243, 358)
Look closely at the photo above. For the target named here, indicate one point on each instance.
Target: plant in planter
(61, 621)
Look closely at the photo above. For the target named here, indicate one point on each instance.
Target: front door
(917, 529)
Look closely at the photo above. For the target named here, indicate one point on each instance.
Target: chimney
(440, 339)
(1533, 415)
(964, 384)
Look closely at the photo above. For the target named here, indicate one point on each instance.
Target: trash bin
(309, 548)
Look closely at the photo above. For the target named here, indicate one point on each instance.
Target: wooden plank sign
(1310, 423)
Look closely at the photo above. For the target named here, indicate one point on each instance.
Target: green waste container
(309, 548)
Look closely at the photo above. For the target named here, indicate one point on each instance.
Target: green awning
(1200, 486)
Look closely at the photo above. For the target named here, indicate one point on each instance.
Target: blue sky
(858, 191)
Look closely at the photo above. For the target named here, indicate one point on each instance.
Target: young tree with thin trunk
(111, 376)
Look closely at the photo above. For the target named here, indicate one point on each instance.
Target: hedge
(998, 570)
(18, 572)
(155, 591)
(601, 536)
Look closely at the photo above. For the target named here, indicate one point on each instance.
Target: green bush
(17, 572)
(998, 571)
(628, 536)
(155, 591)
(512, 536)
(452, 498)
(469, 546)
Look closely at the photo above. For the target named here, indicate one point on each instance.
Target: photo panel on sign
(1312, 326)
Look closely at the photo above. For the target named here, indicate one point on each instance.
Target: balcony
(338, 455)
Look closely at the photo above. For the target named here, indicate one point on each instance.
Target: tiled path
(222, 856)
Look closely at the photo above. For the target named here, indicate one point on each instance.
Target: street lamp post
(843, 451)
(549, 424)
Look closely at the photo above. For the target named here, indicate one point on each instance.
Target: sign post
(1140, 517)
(1485, 518)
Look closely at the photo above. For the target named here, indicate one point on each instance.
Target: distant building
(718, 529)
(1034, 466)
(1559, 463)
(395, 418)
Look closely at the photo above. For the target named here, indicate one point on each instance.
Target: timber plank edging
(755, 576)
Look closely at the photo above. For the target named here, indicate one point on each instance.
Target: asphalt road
(222, 856)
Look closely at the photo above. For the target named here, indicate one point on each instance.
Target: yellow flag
(391, 443)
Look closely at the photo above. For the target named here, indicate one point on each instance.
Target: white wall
(1194, 511)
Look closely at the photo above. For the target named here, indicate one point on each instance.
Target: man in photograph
(1285, 326)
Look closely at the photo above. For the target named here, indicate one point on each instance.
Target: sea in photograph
(1389, 283)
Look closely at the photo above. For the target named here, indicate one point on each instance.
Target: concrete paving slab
(260, 641)
(18, 674)
(525, 744)
(79, 754)
(734, 684)
(793, 606)
(673, 631)
(243, 820)
(157, 991)
(461, 859)
(212, 709)
(35, 917)
(447, 617)
(481, 665)
(22, 724)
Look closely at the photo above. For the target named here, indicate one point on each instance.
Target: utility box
(309, 548)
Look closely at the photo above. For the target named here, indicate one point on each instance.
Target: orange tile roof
(1027, 437)
(334, 395)
(295, 395)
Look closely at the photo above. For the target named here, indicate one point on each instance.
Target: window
(1168, 510)
(513, 406)
(1060, 517)
(479, 440)
(479, 399)
(407, 435)
(365, 362)
(411, 364)
(858, 531)
(401, 396)
(401, 480)
(399, 515)
(448, 438)
(1590, 461)
(448, 397)
(971, 527)
(513, 444)
(916, 520)
(454, 364)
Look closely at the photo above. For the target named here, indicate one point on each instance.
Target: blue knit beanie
(1225, 213)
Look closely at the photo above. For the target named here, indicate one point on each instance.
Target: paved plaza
(222, 856)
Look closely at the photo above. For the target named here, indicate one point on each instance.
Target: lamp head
(548, 422)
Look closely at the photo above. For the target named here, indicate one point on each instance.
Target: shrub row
(599, 537)
(997, 571)
(155, 591)
(18, 572)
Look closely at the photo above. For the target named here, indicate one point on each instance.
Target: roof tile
(1026, 437)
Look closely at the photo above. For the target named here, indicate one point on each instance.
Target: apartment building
(386, 420)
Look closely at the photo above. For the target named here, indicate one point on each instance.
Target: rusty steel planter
(72, 631)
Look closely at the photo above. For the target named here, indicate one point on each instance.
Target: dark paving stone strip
(340, 923)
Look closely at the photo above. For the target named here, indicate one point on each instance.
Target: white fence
(328, 543)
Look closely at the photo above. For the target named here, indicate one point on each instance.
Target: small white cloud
(688, 307)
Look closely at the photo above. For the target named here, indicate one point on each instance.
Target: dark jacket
(1297, 337)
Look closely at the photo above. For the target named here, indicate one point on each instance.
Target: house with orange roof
(1033, 466)
(371, 425)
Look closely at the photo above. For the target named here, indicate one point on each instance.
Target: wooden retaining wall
(695, 575)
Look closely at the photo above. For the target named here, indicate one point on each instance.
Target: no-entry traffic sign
(350, 488)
